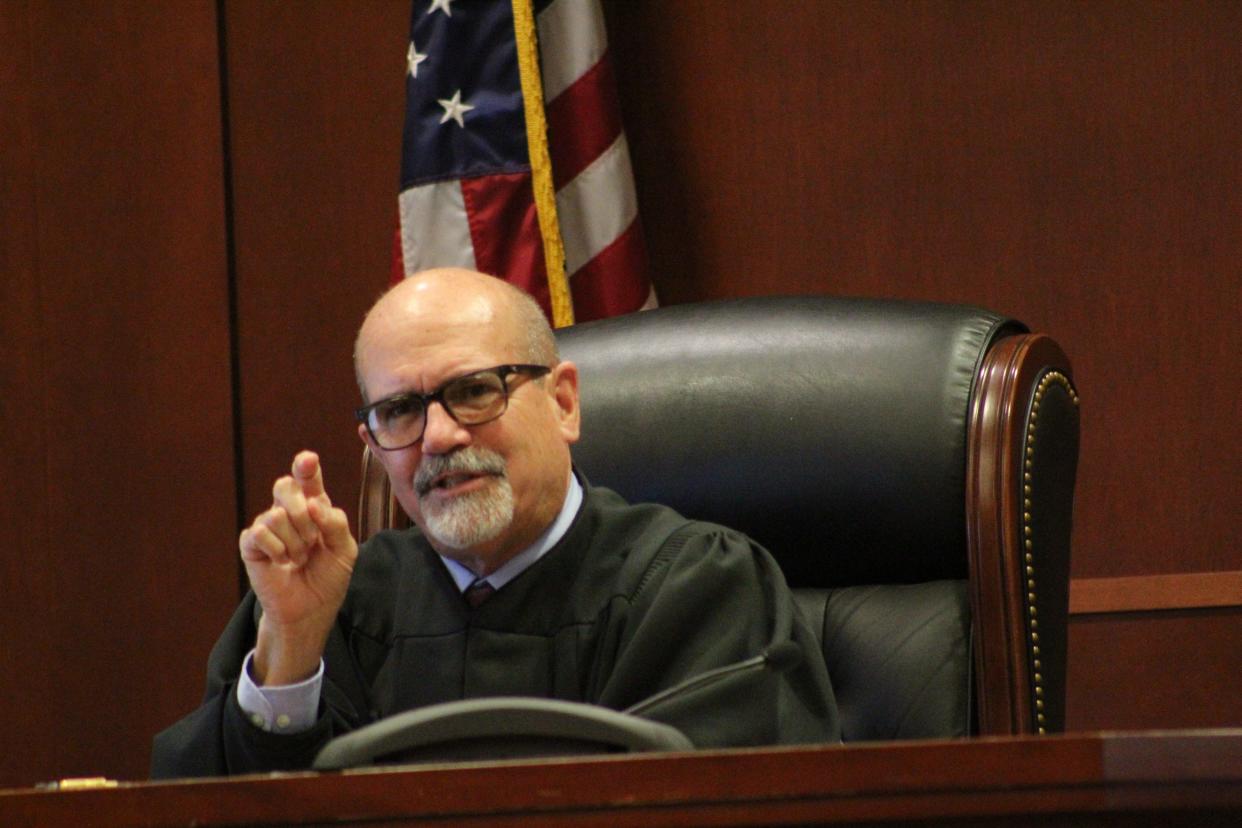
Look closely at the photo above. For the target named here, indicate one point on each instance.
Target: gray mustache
(473, 460)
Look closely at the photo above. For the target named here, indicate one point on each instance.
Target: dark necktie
(478, 592)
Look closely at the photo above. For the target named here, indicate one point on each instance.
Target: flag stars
(454, 109)
(412, 59)
(441, 5)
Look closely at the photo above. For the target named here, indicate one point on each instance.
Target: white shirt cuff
(285, 708)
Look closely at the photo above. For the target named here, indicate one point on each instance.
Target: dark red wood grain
(1182, 779)
(117, 469)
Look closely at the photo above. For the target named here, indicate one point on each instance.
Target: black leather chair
(910, 465)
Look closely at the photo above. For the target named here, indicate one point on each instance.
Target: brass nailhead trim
(1027, 532)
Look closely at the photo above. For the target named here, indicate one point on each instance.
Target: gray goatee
(469, 519)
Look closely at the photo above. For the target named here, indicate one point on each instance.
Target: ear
(565, 397)
(376, 452)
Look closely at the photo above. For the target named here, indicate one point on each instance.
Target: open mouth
(452, 481)
(459, 473)
(455, 483)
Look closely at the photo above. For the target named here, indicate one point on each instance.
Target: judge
(520, 578)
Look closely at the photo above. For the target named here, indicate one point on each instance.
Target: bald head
(455, 299)
(480, 491)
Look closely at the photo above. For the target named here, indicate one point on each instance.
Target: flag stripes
(466, 195)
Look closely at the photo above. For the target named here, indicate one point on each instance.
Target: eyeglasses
(480, 397)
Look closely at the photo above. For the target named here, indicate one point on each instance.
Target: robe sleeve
(217, 738)
(711, 597)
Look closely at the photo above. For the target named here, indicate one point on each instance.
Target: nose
(443, 434)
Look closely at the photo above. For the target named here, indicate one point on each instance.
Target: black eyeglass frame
(502, 372)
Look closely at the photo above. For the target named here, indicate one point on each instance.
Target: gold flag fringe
(541, 163)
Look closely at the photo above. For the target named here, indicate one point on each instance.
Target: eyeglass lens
(472, 399)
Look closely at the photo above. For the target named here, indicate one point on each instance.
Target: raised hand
(299, 555)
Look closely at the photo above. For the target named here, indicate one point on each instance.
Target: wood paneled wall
(1077, 165)
(197, 205)
(116, 416)
(316, 104)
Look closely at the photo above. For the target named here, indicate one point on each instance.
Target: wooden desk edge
(1168, 772)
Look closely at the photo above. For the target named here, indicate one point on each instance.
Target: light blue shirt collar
(519, 563)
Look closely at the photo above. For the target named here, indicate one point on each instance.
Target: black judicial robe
(632, 600)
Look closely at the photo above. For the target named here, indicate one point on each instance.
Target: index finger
(308, 474)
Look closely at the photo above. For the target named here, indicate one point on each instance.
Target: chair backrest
(910, 465)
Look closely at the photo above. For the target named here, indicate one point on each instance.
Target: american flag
(466, 171)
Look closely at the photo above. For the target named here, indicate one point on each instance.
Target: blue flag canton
(463, 66)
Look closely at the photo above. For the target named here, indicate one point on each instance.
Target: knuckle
(264, 538)
(282, 487)
(272, 517)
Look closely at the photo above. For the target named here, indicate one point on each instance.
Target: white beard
(472, 518)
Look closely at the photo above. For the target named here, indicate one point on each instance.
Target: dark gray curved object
(498, 728)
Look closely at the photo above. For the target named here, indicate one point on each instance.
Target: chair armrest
(1022, 457)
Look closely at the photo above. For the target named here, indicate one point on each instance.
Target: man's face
(480, 493)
